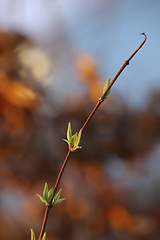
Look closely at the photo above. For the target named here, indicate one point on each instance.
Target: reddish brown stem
(126, 62)
(61, 172)
(55, 188)
(44, 221)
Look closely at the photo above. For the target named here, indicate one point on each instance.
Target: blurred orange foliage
(120, 218)
(77, 208)
(88, 70)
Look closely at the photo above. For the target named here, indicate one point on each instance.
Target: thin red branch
(126, 62)
(48, 208)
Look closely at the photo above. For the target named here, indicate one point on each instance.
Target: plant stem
(61, 172)
(48, 208)
(126, 62)
(44, 221)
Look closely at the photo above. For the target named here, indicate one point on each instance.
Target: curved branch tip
(143, 35)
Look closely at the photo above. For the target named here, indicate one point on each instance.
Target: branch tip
(143, 35)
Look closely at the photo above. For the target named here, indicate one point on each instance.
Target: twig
(48, 207)
(126, 62)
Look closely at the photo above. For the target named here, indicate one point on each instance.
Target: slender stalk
(48, 208)
(61, 172)
(44, 221)
(92, 114)
(126, 62)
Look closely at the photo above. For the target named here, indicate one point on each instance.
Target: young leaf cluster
(73, 140)
(33, 235)
(48, 195)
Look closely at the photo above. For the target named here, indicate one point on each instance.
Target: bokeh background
(55, 57)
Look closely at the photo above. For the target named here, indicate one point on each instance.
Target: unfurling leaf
(106, 85)
(42, 199)
(57, 196)
(69, 131)
(73, 139)
(45, 192)
(77, 141)
(56, 199)
(69, 139)
(32, 235)
(59, 201)
(50, 194)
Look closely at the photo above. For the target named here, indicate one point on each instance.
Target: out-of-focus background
(55, 57)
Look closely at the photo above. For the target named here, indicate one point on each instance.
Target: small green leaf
(73, 139)
(44, 236)
(32, 235)
(57, 196)
(105, 88)
(79, 135)
(78, 138)
(42, 199)
(69, 131)
(45, 192)
(58, 201)
(50, 194)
